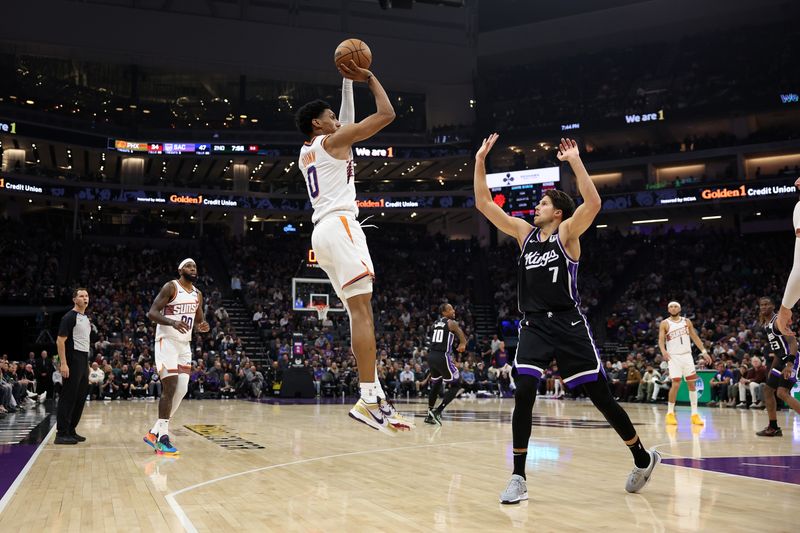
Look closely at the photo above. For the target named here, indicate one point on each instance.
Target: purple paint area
(783, 468)
(12, 460)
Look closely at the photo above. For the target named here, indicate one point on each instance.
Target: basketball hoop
(322, 311)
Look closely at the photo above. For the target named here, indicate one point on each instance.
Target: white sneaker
(396, 420)
(639, 477)
(371, 415)
(516, 490)
(42, 397)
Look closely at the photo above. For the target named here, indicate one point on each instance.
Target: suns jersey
(182, 308)
(330, 182)
(677, 338)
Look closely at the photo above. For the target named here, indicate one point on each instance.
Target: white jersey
(678, 340)
(330, 181)
(182, 308)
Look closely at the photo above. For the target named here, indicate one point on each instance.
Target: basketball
(354, 49)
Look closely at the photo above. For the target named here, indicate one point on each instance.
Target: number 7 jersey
(330, 182)
(182, 308)
(547, 278)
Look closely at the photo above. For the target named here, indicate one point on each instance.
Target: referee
(73, 352)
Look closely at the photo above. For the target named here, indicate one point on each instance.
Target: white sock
(378, 388)
(369, 392)
(161, 427)
(693, 401)
(670, 408)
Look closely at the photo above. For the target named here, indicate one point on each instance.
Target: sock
(449, 396)
(369, 392)
(773, 424)
(693, 401)
(670, 408)
(378, 388)
(519, 463)
(641, 457)
(161, 427)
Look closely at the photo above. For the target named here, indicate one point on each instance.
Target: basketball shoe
(372, 415)
(671, 419)
(516, 490)
(396, 420)
(639, 477)
(697, 421)
(432, 418)
(151, 439)
(165, 447)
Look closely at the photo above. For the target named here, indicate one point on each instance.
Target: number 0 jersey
(441, 336)
(547, 278)
(330, 182)
(182, 308)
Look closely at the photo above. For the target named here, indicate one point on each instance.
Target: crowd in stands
(716, 277)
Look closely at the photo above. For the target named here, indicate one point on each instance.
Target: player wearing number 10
(178, 307)
(326, 161)
(553, 325)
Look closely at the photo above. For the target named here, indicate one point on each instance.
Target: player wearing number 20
(553, 325)
(177, 310)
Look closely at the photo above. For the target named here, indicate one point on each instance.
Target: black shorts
(442, 366)
(564, 336)
(775, 378)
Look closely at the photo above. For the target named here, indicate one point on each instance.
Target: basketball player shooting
(674, 336)
(326, 162)
(553, 325)
(178, 307)
(792, 292)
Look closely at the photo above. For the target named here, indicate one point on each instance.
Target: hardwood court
(249, 466)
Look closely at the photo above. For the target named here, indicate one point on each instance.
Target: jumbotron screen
(519, 191)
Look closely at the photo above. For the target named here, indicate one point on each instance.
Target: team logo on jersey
(181, 309)
(536, 260)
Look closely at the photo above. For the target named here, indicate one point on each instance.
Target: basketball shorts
(173, 356)
(776, 380)
(681, 365)
(442, 367)
(564, 336)
(340, 247)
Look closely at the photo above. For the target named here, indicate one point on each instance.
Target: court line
(17, 482)
(189, 526)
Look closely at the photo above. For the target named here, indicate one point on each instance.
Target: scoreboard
(518, 192)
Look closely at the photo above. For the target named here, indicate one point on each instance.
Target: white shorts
(340, 247)
(173, 356)
(681, 365)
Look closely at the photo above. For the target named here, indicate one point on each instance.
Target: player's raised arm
(584, 215)
(358, 131)
(513, 226)
(347, 111)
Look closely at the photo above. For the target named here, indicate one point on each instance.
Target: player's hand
(567, 149)
(666, 356)
(797, 183)
(461, 347)
(707, 357)
(64, 370)
(351, 71)
(182, 327)
(787, 371)
(480, 155)
(203, 327)
(784, 317)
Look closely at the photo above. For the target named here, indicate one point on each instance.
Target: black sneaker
(77, 437)
(770, 432)
(65, 439)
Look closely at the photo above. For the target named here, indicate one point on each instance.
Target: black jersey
(778, 345)
(441, 336)
(547, 278)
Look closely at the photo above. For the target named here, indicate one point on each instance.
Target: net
(322, 311)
